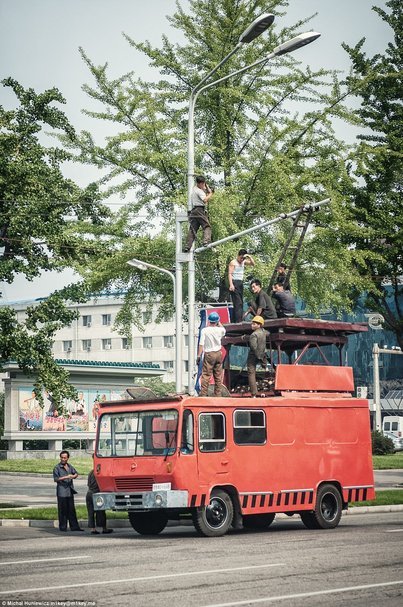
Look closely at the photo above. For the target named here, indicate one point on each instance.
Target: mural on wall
(79, 415)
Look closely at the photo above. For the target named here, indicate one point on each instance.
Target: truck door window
(187, 442)
(249, 427)
(211, 432)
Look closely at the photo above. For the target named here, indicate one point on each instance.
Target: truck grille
(137, 483)
(128, 502)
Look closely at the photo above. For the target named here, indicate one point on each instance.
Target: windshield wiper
(169, 442)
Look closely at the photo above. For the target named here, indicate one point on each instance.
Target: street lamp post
(286, 47)
(143, 265)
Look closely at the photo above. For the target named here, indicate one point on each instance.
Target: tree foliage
(265, 139)
(46, 223)
(377, 198)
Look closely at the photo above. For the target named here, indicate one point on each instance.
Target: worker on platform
(210, 347)
(236, 271)
(282, 276)
(257, 351)
(263, 305)
(285, 302)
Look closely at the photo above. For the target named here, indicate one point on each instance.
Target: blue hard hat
(214, 317)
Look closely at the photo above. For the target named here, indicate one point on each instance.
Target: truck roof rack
(291, 334)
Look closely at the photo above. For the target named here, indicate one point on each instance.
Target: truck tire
(214, 519)
(258, 521)
(148, 523)
(328, 509)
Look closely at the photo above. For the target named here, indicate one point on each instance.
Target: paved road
(28, 490)
(359, 563)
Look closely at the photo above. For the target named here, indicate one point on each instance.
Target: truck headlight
(158, 499)
(99, 501)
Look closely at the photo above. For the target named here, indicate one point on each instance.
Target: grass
(43, 466)
(49, 513)
(383, 498)
(84, 464)
(387, 497)
(388, 462)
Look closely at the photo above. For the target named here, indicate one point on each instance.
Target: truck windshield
(139, 433)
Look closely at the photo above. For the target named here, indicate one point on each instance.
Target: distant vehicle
(394, 424)
(397, 440)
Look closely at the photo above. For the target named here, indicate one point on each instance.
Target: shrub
(381, 445)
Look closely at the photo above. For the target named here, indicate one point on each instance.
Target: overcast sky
(39, 42)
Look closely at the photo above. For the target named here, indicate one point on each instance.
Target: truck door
(212, 449)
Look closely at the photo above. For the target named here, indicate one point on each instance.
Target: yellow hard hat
(258, 319)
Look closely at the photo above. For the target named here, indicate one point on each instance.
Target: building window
(67, 345)
(168, 341)
(87, 320)
(126, 343)
(186, 337)
(86, 345)
(106, 320)
(107, 344)
(167, 316)
(147, 342)
(186, 366)
(168, 365)
(147, 317)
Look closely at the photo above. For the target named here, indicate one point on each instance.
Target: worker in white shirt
(235, 281)
(210, 346)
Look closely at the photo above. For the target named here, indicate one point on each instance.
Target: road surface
(359, 563)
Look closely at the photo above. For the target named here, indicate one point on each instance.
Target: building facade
(92, 336)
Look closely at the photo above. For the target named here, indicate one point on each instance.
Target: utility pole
(377, 390)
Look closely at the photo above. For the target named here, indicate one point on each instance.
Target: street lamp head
(257, 27)
(136, 263)
(294, 43)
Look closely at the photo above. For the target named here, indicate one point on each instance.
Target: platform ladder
(300, 222)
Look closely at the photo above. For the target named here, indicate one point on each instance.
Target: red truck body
(305, 447)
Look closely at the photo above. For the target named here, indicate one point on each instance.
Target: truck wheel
(328, 509)
(214, 519)
(258, 521)
(148, 523)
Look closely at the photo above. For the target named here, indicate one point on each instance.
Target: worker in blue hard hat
(210, 347)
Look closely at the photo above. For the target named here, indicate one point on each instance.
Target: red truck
(303, 446)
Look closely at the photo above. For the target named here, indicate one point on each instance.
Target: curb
(25, 474)
(121, 523)
(45, 524)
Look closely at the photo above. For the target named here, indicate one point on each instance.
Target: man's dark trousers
(67, 512)
(237, 300)
(98, 517)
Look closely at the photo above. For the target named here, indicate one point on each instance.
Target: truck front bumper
(150, 500)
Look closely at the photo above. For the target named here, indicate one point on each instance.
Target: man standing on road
(64, 474)
(98, 518)
(235, 281)
(210, 344)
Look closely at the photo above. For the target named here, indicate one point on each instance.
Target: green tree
(265, 138)
(45, 222)
(377, 231)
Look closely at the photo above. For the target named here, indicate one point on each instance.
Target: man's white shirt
(210, 338)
